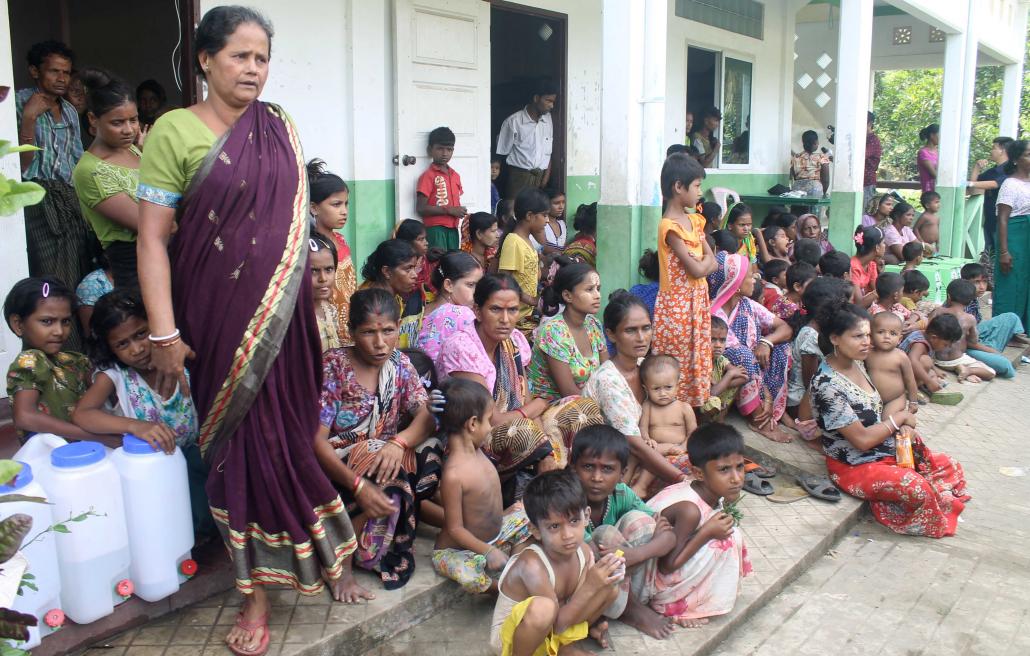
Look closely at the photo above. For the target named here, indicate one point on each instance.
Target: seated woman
(454, 277)
(809, 227)
(898, 233)
(878, 211)
(859, 437)
(492, 353)
(367, 390)
(394, 266)
(480, 238)
(757, 340)
(617, 389)
(583, 246)
(869, 250)
(568, 347)
(648, 267)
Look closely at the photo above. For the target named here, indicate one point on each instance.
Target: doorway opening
(134, 40)
(527, 44)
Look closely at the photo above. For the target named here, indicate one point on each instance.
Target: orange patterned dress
(682, 319)
(346, 285)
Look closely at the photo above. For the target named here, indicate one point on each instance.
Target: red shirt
(873, 153)
(864, 278)
(442, 187)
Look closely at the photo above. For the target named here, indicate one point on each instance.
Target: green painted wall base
(623, 233)
(372, 217)
(580, 190)
(953, 207)
(845, 216)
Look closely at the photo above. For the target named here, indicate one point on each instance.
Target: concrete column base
(845, 215)
(623, 233)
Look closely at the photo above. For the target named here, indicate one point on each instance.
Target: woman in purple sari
(223, 245)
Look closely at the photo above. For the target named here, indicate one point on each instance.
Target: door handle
(406, 160)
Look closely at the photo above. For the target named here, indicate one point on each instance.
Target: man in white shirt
(525, 138)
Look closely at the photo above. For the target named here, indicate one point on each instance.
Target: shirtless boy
(477, 536)
(953, 356)
(889, 367)
(928, 225)
(665, 422)
(551, 592)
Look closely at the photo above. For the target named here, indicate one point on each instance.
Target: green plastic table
(766, 199)
(939, 271)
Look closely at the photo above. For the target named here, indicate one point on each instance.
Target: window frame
(721, 53)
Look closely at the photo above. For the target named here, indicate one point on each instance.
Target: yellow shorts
(552, 643)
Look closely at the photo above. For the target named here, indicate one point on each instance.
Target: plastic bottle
(45, 601)
(36, 452)
(156, 490)
(94, 554)
(903, 451)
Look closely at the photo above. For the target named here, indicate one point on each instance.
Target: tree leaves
(13, 530)
(8, 470)
(15, 625)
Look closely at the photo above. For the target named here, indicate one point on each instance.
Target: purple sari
(243, 303)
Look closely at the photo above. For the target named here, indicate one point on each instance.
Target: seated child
(808, 251)
(712, 212)
(495, 172)
(927, 227)
(726, 376)
(478, 535)
(836, 264)
(1000, 329)
(777, 243)
(915, 289)
(665, 421)
(889, 286)
(43, 382)
(774, 281)
(960, 294)
(121, 352)
(551, 592)
(889, 367)
(724, 240)
(918, 346)
(619, 520)
(323, 261)
(798, 277)
(912, 254)
(701, 576)
(947, 336)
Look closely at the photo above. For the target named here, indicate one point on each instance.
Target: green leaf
(12, 531)
(13, 498)
(15, 625)
(19, 195)
(61, 528)
(8, 470)
(8, 650)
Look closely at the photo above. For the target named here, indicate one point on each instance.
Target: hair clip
(859, 238)
(46, 289)
(426, 381)
(313, 245)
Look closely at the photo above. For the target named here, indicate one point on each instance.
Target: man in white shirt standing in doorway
(526, 138)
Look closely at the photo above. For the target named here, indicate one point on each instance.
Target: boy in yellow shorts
(550, 593)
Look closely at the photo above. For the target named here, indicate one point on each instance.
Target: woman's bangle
(169, 343)
(894, 423)
(359, 483)
(167, 338)
(399, 441)
(522, 412)
(767, 342)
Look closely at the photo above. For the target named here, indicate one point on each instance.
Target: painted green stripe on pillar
(623, 233)
(953, 206)
(372, 217)
(845, 216)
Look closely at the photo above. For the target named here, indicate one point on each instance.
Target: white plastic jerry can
(93, 543)
(39, 548)
(156, 490)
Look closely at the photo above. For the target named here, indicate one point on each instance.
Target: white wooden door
(442, 59)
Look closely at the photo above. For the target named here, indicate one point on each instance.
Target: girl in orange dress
(681, 315)
(330, 198)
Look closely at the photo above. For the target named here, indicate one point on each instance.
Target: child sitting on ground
(619, 520)
(920, 346)
(808, 251)
(889, 287)
(478, 535)
(912, 254)
(948, 336)
(774, 281)
(960, 294)
(44, 382)
(712, 212)
(889, 367)
(915, 289)
(777, 243)
(700, 577)
(438, 193)
(551, 592)
(665, 421)
(798, 278)
(323, 261)
(1000, 329)
(121, 351)
(928, 225)
(726, 376)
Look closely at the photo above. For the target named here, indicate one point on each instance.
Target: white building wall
(771, 94)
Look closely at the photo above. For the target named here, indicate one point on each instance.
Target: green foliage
(8, 470)
(15, 625)
(13, 530)
(907, 101)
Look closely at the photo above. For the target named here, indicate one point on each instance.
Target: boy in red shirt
(438, 194)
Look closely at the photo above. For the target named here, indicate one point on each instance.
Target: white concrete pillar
(622, 41)
(960, 53)
(652, 102)
(854, 53)
(1012, 90)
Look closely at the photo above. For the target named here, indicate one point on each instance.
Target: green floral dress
(552, 338)
(61, 380)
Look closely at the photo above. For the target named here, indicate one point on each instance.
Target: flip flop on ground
(757, 486)
(819, 487)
